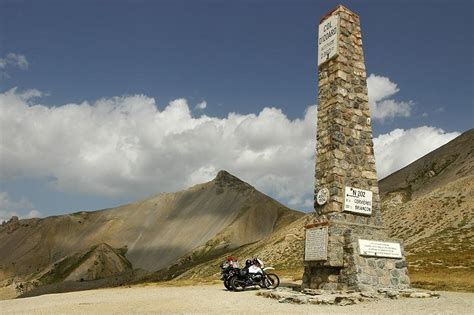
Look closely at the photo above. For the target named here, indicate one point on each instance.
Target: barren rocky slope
(151, 234)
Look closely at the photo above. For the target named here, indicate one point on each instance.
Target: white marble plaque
(358, 200)
(380, 249)
(322, 196)
(328, 39)
(316, 244)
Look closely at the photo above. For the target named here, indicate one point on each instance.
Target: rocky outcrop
(12, 224)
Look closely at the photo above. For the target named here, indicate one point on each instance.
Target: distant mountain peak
(223, 175)
(225, 179)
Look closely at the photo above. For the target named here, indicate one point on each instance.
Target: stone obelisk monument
(346, 246)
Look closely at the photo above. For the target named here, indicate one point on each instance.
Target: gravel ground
(213, 299)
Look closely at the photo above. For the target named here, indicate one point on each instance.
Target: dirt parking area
(214, 299)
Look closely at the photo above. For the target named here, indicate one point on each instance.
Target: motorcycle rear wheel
(237, 284)
(271, 281)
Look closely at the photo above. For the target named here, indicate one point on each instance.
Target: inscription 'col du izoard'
(346, 245)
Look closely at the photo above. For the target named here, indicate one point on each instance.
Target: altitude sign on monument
(346, 246)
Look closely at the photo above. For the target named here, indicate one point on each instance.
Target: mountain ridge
(153, 232)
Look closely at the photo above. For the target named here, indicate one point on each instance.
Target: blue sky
(236, 56)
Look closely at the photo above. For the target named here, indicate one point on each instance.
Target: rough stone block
(401, 264)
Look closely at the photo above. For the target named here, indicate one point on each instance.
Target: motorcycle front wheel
(237, 284)
(271, 281)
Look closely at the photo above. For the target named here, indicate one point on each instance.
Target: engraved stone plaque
(358, 200)
(316, 244)
(380, 249)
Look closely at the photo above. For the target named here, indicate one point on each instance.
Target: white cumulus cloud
(381, 106)
(13, 60)
(202, 105)
(130, 146)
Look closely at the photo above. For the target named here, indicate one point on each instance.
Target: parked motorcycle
(229, 268)
(254, 274)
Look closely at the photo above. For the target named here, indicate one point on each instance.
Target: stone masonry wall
(345, 155)
(347, 269)
(365, 273)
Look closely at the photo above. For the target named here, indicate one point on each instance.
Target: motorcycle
(229, 268)
(253, 275)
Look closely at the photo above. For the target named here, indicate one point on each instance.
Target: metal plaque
(358, 200)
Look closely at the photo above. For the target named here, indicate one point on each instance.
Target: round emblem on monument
(322, 196)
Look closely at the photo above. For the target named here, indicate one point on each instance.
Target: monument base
(347, 267)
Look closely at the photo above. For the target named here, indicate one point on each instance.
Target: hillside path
(213, 299)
